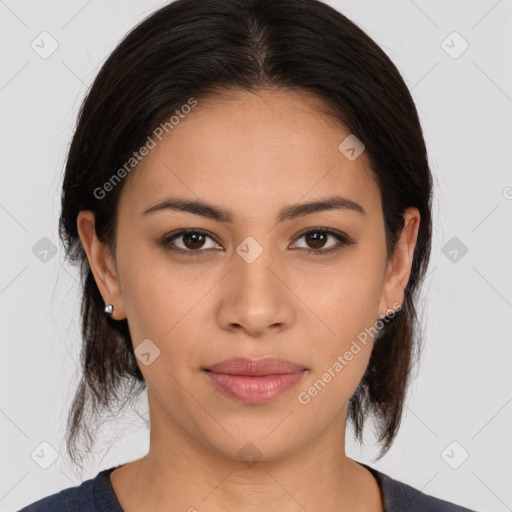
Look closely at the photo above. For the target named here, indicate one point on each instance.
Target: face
(307, 286)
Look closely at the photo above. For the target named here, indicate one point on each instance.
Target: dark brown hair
(191, 48)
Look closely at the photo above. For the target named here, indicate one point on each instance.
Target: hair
(190, 49)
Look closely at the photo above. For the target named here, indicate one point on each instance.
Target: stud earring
(109, 310)
(389, 312)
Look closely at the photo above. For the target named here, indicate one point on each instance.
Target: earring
(389, 312)
(109, 310)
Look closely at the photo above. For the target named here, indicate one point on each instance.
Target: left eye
(192, 241)
(318, 237)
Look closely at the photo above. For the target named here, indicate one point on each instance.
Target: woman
(248, 196)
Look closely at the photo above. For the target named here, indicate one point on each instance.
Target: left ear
(399, 265)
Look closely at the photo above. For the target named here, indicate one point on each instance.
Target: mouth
(255, 382)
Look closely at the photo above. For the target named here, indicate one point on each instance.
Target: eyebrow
(288, 213)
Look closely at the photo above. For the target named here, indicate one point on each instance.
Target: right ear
(101, 263)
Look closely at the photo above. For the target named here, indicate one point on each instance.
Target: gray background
(460, 403)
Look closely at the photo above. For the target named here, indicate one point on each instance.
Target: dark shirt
(97, 495)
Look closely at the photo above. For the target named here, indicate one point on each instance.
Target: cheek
(342, 356)
(346, 302)
(345, 297)
(158, 294)
(163, 304)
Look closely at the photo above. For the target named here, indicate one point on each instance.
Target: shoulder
(73, 498)
(93, 495)
(399, 497)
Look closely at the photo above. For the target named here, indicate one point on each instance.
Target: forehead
(253, 150)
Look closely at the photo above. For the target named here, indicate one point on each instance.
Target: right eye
(191, 240)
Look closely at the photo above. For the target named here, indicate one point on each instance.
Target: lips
(255, 382)
(265, 366)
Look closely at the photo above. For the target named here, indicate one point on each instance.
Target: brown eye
(316, 240)
(191, 242)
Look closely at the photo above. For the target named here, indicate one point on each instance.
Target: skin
(252, 154)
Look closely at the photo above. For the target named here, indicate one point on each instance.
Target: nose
(256, 297)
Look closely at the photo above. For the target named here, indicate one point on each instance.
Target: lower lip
(255, 390)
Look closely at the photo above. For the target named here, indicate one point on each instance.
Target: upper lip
(264, 366)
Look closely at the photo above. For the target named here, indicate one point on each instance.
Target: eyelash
(167, 244)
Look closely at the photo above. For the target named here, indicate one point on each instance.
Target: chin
(250, 449)
(250, 453)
